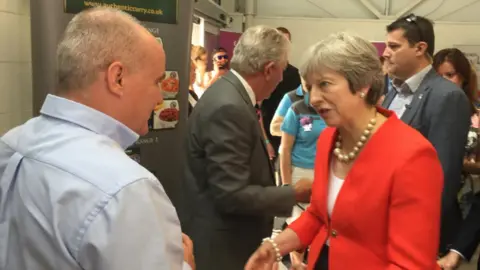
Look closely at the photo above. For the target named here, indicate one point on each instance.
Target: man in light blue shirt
(70, 198)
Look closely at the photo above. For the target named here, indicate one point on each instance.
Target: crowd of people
(363, 155)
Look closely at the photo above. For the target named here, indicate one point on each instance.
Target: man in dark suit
(434, 106)
(467, 240)
(229, 178)
(290, 81)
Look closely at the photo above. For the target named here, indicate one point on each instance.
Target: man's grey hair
(258, 46)
(93, 40)
(353, 57)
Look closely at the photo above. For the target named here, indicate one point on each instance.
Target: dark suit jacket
(291, 80)
(469, 234)
(441, 112)
(230, 181)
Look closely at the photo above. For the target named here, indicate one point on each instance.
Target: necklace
(347, 157)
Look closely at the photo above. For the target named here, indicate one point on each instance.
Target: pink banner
(228, 40)
(211, 43)
(380, 47)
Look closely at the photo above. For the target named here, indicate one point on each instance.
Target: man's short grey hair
(353, 57)
(258, 46)
(93, 40)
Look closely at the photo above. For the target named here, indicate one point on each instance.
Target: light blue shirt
(406, 90)
(70, 198)
(305, 125)
(286, 102)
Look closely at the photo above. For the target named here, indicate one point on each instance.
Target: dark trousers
(322, 261)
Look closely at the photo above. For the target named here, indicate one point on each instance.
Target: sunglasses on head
(223, 56)
(412, 18)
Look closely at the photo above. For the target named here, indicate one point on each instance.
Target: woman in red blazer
(376, 195)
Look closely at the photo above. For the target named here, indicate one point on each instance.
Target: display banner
(164, 11)
(228, 40)
(380, 47)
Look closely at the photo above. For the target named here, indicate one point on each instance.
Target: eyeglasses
(412, 18)
(220, 57)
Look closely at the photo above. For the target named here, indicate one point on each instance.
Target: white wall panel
(306, 32)
(15, 64)
(445, 10)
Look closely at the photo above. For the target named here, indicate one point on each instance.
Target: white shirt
(334, 186)
(245, 84)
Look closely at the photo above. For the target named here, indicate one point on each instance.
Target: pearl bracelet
(275, 247)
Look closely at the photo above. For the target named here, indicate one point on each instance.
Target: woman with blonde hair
(374, 205)
(199, 57)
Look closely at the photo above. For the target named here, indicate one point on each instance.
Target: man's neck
(422, 65)
(253, 82)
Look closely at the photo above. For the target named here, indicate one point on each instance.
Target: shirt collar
(413, 82)
(245, 84)
(88, 118)
(299, 91)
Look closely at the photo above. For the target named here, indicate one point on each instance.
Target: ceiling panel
(464, 13)
(397, 7)
(295, 8)
(343, 8)
(445, 10)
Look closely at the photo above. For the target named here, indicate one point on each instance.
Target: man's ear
(268, 69)
(115, 77)
(421, 48)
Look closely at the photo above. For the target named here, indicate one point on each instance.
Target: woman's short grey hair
(258, 46)
(353, 57)
(93, 40)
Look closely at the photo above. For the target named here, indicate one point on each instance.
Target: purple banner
(228, 40)
(211, 43)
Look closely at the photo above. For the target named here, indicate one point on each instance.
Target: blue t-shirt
(303, 123)
(287, 101)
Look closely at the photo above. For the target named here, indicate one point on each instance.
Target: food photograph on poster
(170, 85)
(166, 115)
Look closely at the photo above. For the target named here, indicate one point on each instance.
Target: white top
(334, 186)
(245, 84)
(198, 90)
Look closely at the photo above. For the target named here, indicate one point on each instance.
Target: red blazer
(387, 214)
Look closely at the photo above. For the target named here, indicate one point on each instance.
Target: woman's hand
(450, 261)
(263, 258)
(188, 256)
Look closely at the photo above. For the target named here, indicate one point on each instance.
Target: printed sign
(164, 11)
(170, 85)
(166, 115)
